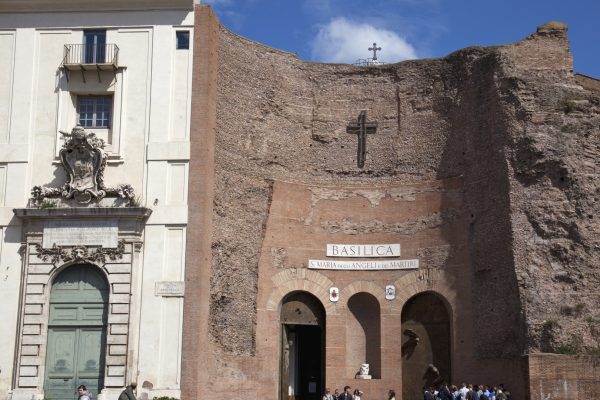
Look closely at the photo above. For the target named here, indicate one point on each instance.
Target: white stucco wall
(150, 151)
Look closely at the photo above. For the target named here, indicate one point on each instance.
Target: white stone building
(91, 277)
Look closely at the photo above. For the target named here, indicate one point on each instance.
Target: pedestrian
(463, 391)
(476, 393)
(469, 394)
(346, 395)
(486, 391)
(129, 392)
(391, 395)
(500, 395)
(83, 393)
(327, 395)
(504, 390)
(357, 394)
(429, 394)
(456, 394)
(444, 392)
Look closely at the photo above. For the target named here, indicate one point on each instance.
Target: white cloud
(345, 41)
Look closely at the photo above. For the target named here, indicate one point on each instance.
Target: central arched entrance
(76, 332)
(302, 347)
(425, 344)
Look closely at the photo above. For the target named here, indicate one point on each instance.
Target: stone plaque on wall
(363, 265)
(88, 233)
(170, 288)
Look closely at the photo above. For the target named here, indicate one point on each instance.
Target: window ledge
(111, 160)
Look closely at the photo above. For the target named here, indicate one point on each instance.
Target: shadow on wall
(475, 149)
(363, 333)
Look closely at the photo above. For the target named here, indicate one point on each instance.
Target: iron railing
(91, 54)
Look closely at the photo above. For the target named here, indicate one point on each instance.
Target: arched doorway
(425, 344)
(302, 347)
(76, 332)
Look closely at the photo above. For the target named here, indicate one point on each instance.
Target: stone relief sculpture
(432, 376)
(84, 160)
(80, 254)
(408, 348)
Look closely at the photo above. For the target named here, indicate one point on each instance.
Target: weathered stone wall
(285, 119)
(554, 148)
(510, 121)
(562, 377)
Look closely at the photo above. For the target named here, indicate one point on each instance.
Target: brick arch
(363, 287)
(424, 280)
(300, 279)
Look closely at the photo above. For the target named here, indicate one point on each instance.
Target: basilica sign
(363, 265)
(363, 250)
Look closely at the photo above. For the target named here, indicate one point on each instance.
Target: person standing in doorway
(129, 392)
(83, 393)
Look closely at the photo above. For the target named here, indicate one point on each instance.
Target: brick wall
(268, 128)
(194, 373)
(563, 377)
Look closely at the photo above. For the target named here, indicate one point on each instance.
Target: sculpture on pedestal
(363, 372)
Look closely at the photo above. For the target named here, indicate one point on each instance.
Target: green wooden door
(76, 333)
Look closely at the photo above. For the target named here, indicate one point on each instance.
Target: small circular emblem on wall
(390, 292)
(334, 294)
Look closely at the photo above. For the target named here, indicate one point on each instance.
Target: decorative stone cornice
(30, 6)
(139, 213)
(80, 254)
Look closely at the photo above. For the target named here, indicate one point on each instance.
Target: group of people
(347, 394)
(467, 392)
(127, 394)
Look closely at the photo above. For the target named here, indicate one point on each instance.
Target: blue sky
(342, 30)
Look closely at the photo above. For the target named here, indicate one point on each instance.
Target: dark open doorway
(425, 344)
(302, 347)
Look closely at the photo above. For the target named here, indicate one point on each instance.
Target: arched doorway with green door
(76, 345)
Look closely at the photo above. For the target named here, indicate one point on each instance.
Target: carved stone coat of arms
(84, 160)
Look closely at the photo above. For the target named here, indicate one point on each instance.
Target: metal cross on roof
(361, 128)
(374, 49)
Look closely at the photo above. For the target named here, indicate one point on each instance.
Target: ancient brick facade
(484, 167)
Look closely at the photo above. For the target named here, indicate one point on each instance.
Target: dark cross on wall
(361, 128)
(374, 49)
